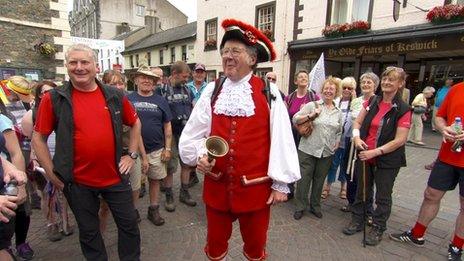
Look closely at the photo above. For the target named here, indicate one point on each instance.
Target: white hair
(81, 47)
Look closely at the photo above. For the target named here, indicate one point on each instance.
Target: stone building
(34, 34)
(97, 19)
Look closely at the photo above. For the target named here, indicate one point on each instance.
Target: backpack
(310, 95)
(266, 90)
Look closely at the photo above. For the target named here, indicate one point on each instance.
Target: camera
(10, 189)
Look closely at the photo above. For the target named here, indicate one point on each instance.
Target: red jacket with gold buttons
(249, 145)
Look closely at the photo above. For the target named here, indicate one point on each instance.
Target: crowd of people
(91, 146)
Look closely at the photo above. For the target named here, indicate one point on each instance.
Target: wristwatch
(133, 155)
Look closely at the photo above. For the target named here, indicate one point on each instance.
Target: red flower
(447, 12)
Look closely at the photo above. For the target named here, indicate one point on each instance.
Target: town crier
(251, 116)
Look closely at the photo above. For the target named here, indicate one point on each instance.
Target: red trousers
(253, 227)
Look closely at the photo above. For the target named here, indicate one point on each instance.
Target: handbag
(306, 128)
(419, 109)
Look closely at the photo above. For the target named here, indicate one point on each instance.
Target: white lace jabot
(235, 99)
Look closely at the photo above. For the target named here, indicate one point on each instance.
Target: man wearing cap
(155, 116)
(88, 163)
(262, 157)
(198, 84)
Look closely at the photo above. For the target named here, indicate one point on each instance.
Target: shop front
(428, 53)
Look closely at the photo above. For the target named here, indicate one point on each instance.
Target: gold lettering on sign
(416, 46)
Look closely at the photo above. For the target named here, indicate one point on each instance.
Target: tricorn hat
(144, 70)
(249, 35)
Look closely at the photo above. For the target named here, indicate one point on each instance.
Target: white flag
(317, 75)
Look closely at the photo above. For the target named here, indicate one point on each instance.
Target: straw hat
(144, 70)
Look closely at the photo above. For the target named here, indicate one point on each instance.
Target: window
(265, 19)
(211, 34)
(261, 72)
(131, 59)
(137, 60)
(140, 10)
(161, 57)
(149, 58)
(184, 53)
(173, 54)
(347, 11)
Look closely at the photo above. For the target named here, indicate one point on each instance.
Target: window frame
(149, 58)
(131, 58)
(206, 35)
(330, 7)
(262, 6)
(139, 8)
(137, 60)
(184, 52)
(161, 56)
(173, 54)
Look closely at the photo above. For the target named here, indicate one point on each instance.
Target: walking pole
(364, 201)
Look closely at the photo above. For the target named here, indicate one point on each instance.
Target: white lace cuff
(280, 186)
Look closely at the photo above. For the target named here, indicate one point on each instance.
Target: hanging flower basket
(46, 49)
(210, 44)
(346, 29)
(267, 33)
(446, 14)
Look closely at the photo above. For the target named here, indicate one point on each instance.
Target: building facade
(274, 18)
(34, 37)
(96, 18)
(429, 52)
(162, 49)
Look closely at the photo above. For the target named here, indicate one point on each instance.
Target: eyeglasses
(271, 79)
(235, 51)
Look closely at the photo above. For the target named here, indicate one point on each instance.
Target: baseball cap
(199, 66)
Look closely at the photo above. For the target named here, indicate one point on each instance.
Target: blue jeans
(340, 159)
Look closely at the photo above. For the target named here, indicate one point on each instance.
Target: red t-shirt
(371, 139)
(452, 107)
(94, 146)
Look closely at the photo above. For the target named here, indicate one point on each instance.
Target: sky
(188, 7)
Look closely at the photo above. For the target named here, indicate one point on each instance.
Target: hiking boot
(317, 214)
(25, 251)
(298, 214)
(184, 196)
(154, 215)
(53, 233)
(193, 180)
(169, 204)
(374, 236)
(454, 253)
(35, 201)
(408, 238)
(352, 228)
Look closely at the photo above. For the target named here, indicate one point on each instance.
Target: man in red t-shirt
(447, 172)
(88, 163)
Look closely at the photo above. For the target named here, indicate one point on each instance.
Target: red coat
(249, 144)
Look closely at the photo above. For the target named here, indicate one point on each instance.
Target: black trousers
(6, 233)
(85, 204)
(383, 179)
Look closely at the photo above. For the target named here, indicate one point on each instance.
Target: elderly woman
(315, 152)
(369, 82)
(348, 93)
(419, 107)
(379, 134)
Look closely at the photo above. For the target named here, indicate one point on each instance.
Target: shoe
(35, 201)
(325, 192)
(352, 228)
(138, 216)
(408, 237)
(318, 214)
(193, 180)
(420, 143)
(298, 214)
(169, 204)
(154, 215)
(429, 166)
(53, 233)
(184, 197)
(143, 191)
(25, 251)
(454, 253)
(374, 236)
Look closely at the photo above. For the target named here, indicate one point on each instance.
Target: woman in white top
(419, 107)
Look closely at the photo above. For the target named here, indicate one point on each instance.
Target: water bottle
(457, 126)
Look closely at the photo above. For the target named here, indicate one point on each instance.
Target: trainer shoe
(25, 251)
(454, 253)
(374, 236)
(408, 237)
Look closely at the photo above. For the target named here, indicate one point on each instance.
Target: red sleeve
(45, 121)
(405, 120)
(129, 115)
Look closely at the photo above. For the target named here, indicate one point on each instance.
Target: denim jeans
(85, 204)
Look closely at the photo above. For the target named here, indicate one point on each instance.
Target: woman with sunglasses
(348, 93)
(379, 134)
